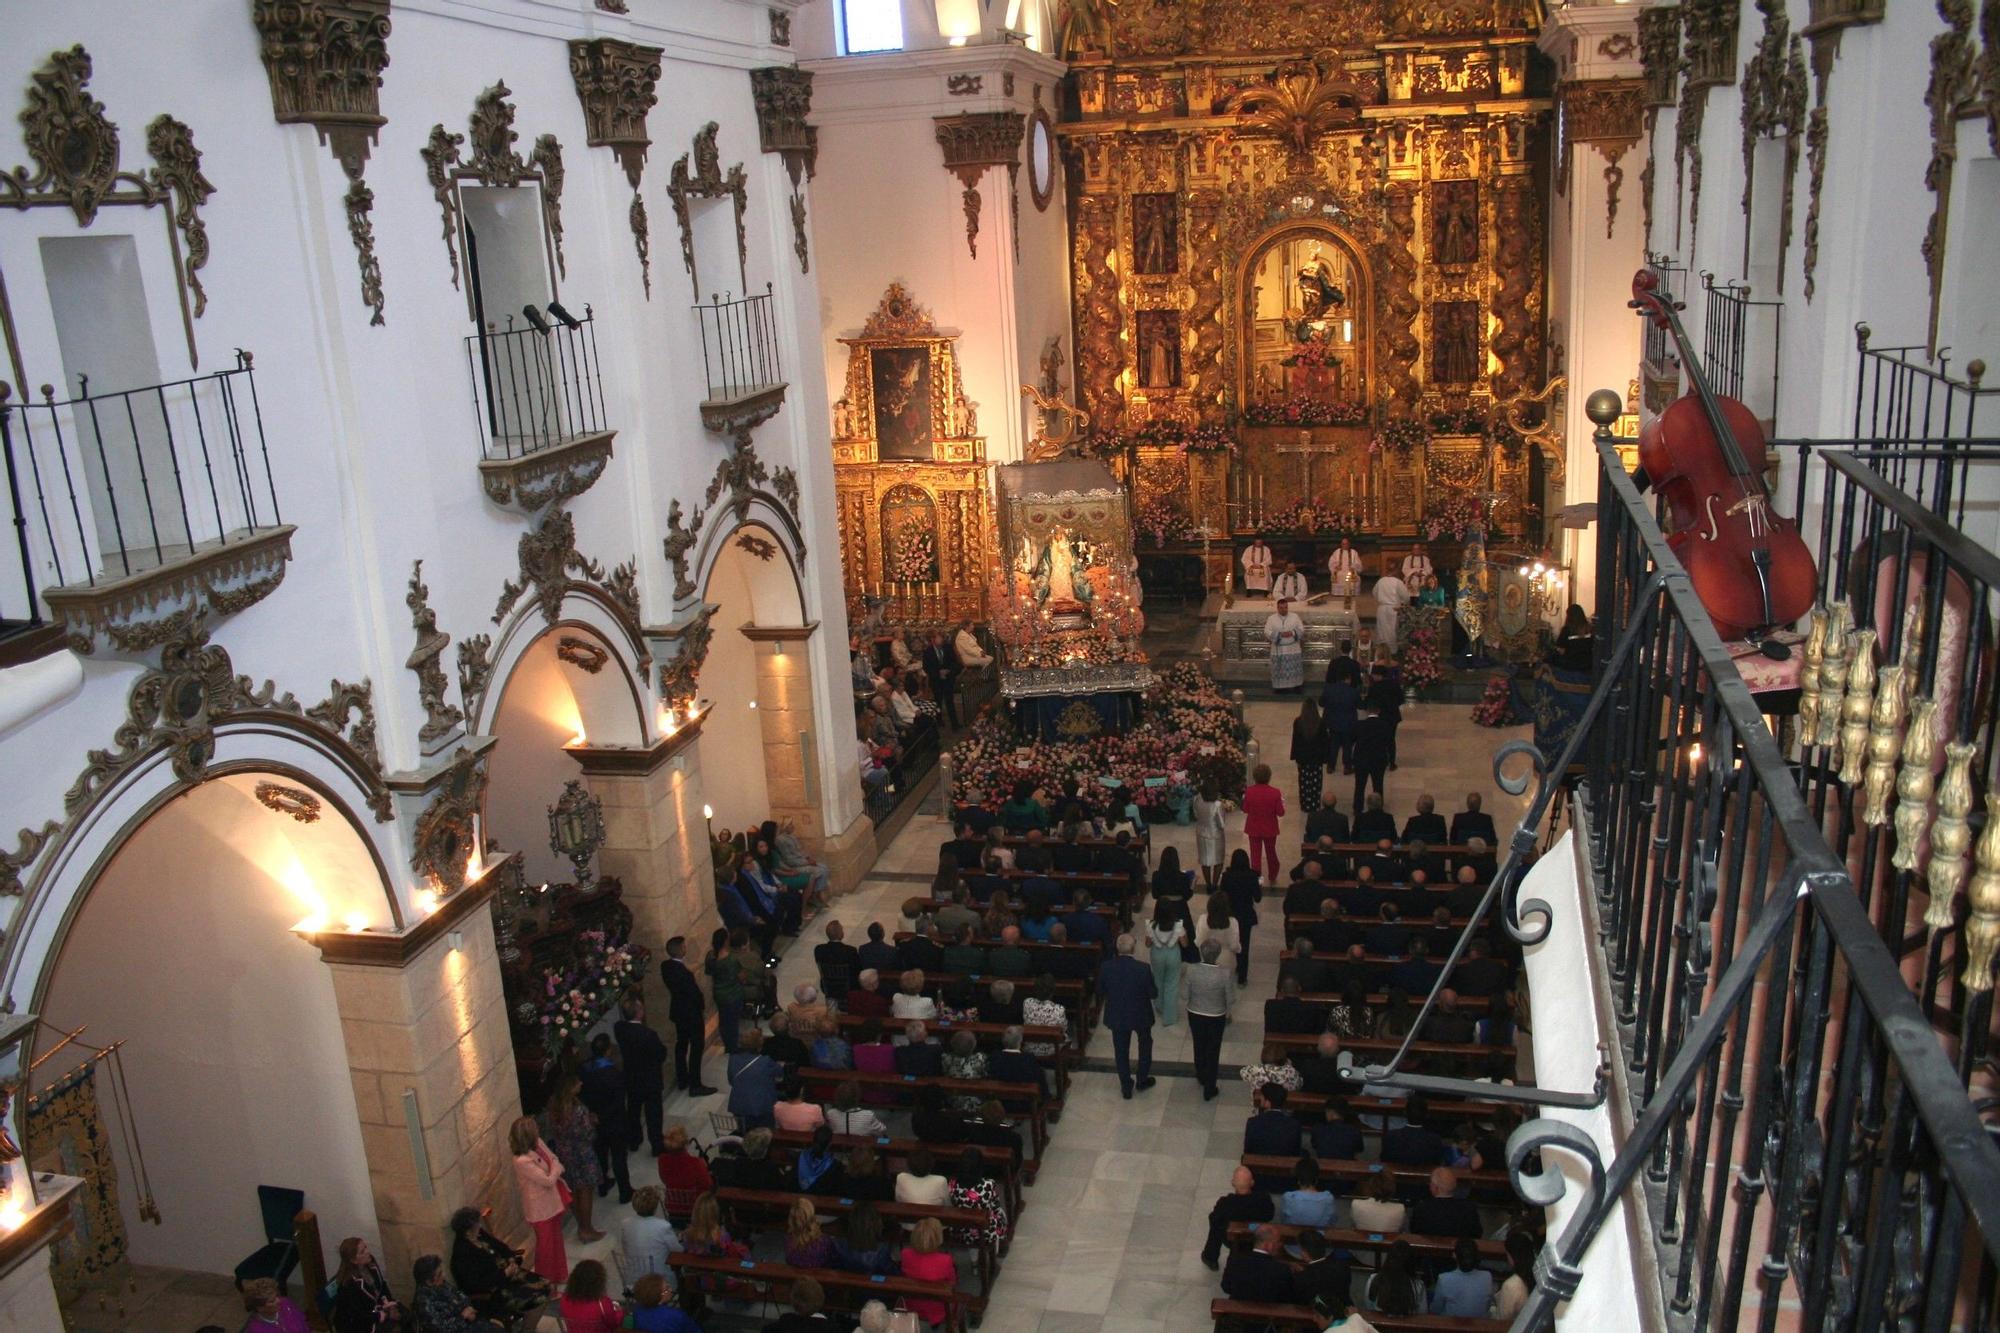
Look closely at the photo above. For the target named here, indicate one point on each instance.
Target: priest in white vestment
(1345, 567)
(1286, 634)
(1391, 596)
(1291, 585)
(1417, 569)
(1257, 569)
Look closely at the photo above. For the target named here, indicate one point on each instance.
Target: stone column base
(850, 854)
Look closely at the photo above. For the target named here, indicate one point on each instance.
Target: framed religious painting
(1455, 222)
(902, 385)
(1156, 234)
(1159, 333)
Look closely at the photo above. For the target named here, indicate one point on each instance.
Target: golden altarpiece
(1332, 260)
(909, 471)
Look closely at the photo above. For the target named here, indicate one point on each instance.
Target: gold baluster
(1885, 731)
(1950, 835)
(1809, 678)
(1982, 927)
(1854, 710)
(1833, 675)
(1913, 784)
(1913, 637)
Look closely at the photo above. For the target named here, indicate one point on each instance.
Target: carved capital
(1604, 111)
(1709, 27)
(615, 81)
(1660, 52)
(973, 141)
(782, 95)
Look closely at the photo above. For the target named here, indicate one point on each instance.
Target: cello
(1706, 456)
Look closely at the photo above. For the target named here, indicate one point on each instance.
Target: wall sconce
(355, 923)
(454, 940)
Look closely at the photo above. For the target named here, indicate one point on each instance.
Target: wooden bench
(1471, 1004)
(1488, 1186)
(1256, 1314)
(990, 1034)
(844, 1289)
(1470, 1053)
(1443, 849)
(1000, 1161)
(1500, 1112)
(1077, 996)
(778, 1204)
(1346, 1238)
(905, 1086)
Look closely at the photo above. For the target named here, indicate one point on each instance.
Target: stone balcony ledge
(136, 611)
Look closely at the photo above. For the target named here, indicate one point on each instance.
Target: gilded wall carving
(615, 81)
(493, 161)
(1774, 102)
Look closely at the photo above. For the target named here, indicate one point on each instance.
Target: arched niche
(910, 546)
(1304, 295)
(749, 585)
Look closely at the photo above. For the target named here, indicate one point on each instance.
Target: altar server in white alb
(1345, 567)
(1291, 586)
(1417, 571)
(1391, 596)
(1257, 569)
(1287, 636)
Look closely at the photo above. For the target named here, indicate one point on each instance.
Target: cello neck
(1667, 316)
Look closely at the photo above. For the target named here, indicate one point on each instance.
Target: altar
(1243, 653)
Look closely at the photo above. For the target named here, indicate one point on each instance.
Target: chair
(279, 1254)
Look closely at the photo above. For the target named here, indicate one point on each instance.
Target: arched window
(871, 25)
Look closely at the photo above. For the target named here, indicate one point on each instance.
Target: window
(872, 25)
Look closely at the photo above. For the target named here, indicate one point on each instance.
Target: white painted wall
(233, 1054)
(733, 778)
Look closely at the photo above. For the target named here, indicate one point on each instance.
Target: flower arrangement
(1461, 515)
(1185, 737)
(1305, 516)
(582, 990)
(1208, 440)
(1161, 516)
(1314, 353)
(915, 558)
(1102, 445)
(1419, 660)
(1458, 421)
(1400, 437)
(1307, 412)
(1496, 707)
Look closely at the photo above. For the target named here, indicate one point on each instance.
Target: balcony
(739, 356)
(538, 391)
(1741, 343)
(135, 509)
(1659, 362)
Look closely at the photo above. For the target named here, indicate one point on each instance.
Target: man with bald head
(1444, 1213)
(1010, 959)
(1260, 1273)
(1244, 1203)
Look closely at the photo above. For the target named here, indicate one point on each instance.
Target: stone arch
(759, 513)
(617, 717)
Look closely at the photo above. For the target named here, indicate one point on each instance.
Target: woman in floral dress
(964, 1059)
(973, 1187)
(1041, 1010)
(569, 1130)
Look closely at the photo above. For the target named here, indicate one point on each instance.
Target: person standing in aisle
(1309, 753)
(1286, 634)
(1263, 806)
(1126, 986)
(1241, 885)
(1209, 834)
(1207, 993)
(689, 1014)
(645, 1057)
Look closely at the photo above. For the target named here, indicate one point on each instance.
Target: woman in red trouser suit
(1263, 804)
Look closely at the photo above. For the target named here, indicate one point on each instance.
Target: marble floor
(1108, 1241)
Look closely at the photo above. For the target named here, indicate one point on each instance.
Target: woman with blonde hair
(570, 1130)
(910, 1001)
(926, 1260)
(1219, 924)
(806, 1244)
(544, 1196)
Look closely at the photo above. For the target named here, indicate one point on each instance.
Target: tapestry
(66, 1135)
(1557, 706)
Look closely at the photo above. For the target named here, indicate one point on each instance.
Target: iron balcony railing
(1657, 349)
(1741, 343)
(536, 381)
(108, 485)
(739, 346)
(1910, 393)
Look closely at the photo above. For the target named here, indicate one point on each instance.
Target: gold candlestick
(1913, 784)
(1951, 835)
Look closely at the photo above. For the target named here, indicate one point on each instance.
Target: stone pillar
(656, 840)
(432, 1061)
(792, 753)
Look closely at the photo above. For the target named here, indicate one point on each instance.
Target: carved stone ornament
(1301, 102)
(972, 142)
(615, 81)
(1660, 52)
(1774, 102)
(1611, 115)
(582, 654)
(782, 95)
(1709, 27)
(679, 542)
(531, 482)
(137, 612)
(576, 828)
(699, 175)
(74, 148)
(494, 161)
(475, 669)
(444, 836)
(680, 675)
(613, 6)
(1954, 79)
(325, 60)
(781, 27)
(297, 802)
(550, 566)
(964, 85)
(443, 721)
(752, 544)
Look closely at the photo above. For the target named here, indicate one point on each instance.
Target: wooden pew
(1230, 1314)
(1000, 1161)
(1345, 1238)
(990, 1033)
(1078, 997)
(1486, 1186)
(904, 1087)
(1471, 1004)
(848, 1290)
(1501, 1112)
(778, 1203)
(1500, 1059)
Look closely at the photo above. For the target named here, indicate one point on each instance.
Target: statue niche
(909, 535)
(1305, 325)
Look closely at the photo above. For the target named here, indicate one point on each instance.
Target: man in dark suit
(923, 1057)
(601, 1089)
(941, 666)
(1444, 1213)
(1120, 859)
(1244, 1203)
(1303, 968)
(1416, 974)
(1257, 1273)
(1416, 1143)
(1324, 1274)
(838, 961)
(1337, 1138)
(1071, 856)
(1481, 974)
(1364, 896)
(1383, 861)
(1011, 1064)
(1304, 897)
(645, 1058)
(1009, 959)
(1389, 938)
(921, 949)
(1468, 890)
(1065, 964)
(878, 953)
(1127, 988)
(783, 1046)
(1289, 1015)
(1472, 822)
(1320, 1071)
(1084, 926)
(1427, 825)
(688, 1012)
(1329, 821)
(966, 849)
(1035, 858)
(1371, 761)
(1272, 1132)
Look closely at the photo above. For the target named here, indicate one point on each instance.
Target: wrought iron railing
(107, 485)
(1741, 343)
(1910, 393)
(1656, 348)
(536, 381)
(739, 346)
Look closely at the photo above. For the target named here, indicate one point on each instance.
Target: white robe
(1345, 567)
(1391, 596)
(1287, 636)
(1257, 568)
(1417, 566)
(1290, 586)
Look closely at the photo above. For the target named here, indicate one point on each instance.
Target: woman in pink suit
(544, 1196)
(1263, 804)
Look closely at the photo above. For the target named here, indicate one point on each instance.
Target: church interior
(779, 758)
